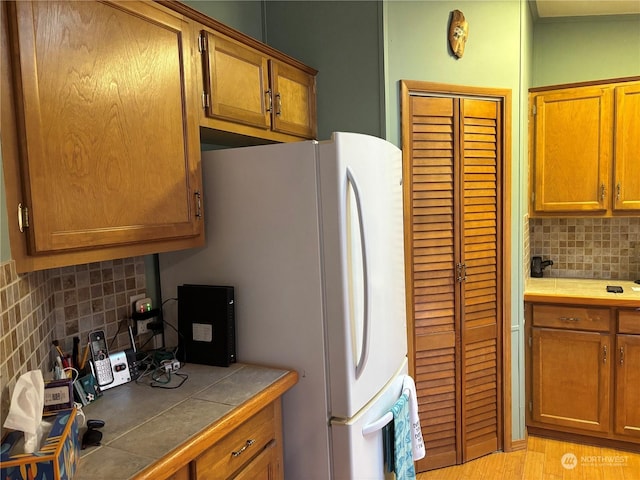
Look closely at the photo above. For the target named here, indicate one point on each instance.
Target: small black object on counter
(537, 266)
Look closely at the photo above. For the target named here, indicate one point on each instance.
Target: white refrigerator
(310, 234)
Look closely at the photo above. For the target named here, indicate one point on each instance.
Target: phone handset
(100, 358)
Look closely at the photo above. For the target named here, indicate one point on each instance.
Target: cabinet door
(294, 100)
(573, 148)
(236, 82)
(571, 378)
(627, 145)
(627, 420)
(264, 467)
(109, 145)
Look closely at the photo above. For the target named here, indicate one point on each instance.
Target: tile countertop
(146, 426)
(582, 291)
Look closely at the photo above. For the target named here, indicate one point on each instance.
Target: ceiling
(579, 8)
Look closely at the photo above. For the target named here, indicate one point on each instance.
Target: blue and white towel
(403, 454)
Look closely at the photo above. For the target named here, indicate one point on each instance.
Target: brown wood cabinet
(248, 87)
(583, 367)
(246, 444)
(571, 378)
(96, 167)
(584, 149)
(102, 109)
(627, 406)
(627, 148)
(253, 450)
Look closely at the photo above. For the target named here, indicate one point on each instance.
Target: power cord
(159, 366)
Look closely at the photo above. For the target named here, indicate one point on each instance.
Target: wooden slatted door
(429, 178)
(480, 312)
(452, 224)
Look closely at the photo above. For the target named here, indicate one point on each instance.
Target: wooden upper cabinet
(572, 157)
(236, 81)
(627, 148)
(106, 141)
(585, 142)
(294, 100)
(249, 92)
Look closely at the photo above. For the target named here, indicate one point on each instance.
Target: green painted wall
(589, 48)
(245, 16)
(343, 41)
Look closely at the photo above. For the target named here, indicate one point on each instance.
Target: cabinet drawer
(238, 448)
(629, 321)
(573, 318)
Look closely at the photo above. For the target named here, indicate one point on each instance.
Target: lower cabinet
(583, 371)
(252, 447)
(627, 405)
(251, 451)
(571, 378)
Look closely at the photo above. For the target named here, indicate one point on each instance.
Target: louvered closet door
(433, 266)
(480, 308)
(454, 207)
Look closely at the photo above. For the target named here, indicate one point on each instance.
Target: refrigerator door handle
(383, 420)
(365, 288)
(377, 425)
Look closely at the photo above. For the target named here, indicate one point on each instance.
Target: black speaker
(206, 325)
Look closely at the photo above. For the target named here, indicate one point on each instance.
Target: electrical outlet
(143, 325)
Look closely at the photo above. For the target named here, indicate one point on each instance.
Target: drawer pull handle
(237, 453)
(570, 319)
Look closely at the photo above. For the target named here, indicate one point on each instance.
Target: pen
(75, 359)
(56, 344)
(85, 354)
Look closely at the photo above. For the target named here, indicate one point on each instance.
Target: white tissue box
(57, 458)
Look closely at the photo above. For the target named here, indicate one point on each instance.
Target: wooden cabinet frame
(607, 359)
(135, 229)
(583, 149)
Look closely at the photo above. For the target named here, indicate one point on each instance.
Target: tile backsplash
(602, 248)
(38, 307)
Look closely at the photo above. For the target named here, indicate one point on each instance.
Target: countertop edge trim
(590, 301)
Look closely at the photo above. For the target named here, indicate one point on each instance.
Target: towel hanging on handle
(402, 450)
(417, 442)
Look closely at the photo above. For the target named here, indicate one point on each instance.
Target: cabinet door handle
(604, 354)
(603, 191)
(269, 100)
(618, 191)
(198, 203)
(248, 443)
(278, 104)
(621, 355)
(570, 319)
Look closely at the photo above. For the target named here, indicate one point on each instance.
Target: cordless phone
(100, 358)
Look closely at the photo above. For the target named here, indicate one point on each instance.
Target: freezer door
(359, 456)
(363, 252)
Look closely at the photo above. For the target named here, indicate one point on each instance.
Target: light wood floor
(543, 460)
